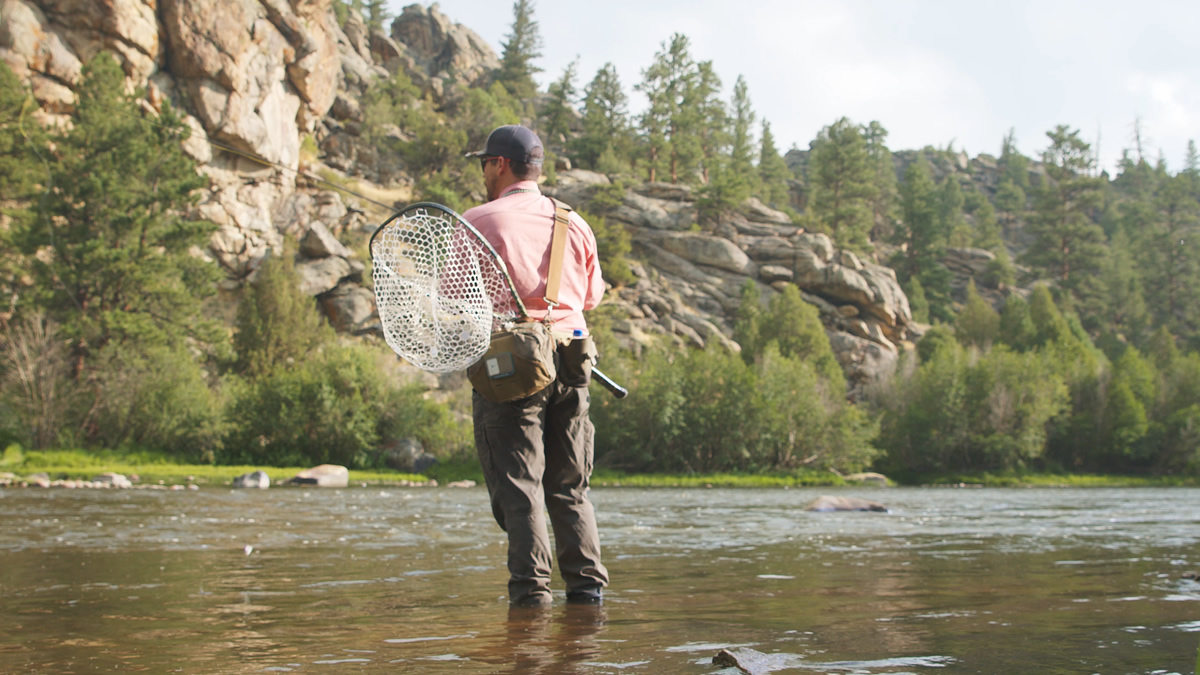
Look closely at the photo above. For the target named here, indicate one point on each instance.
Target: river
(411, 580)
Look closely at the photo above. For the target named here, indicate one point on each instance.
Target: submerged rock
(254, 479)
(325, 475)
(116, 480)
(826, 503)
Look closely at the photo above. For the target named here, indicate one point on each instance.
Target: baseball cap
(515, 142)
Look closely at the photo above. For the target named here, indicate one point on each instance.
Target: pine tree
(1068, 245)
(841, 184)
(671, 121)
(376, 12)
(1121, 309)
(521, 47)
(741, 151)
(922, 236)
(605, 121)
(883, 205)
(1169, 251)
(108, 249)
(977, 324)
(950, 202)
(277, 324)
(21, 169)
(707, 116)
(773, 172)
(559, 110)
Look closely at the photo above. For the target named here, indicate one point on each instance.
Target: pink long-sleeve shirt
(519, 224)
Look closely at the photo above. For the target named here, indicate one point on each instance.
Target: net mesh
(440, 289)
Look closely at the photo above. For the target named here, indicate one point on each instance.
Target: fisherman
(537, 450)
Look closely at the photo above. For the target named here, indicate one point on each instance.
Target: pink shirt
(520, 226)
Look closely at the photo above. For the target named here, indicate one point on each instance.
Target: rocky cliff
(258, 81)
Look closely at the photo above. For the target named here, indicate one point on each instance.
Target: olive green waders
(536, 455)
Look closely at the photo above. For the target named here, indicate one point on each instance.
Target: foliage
(613, 245)
(605, 144)
(842, 183)
(773, 173)
(276, 323)
(708, 411)
(521, 47)
(108, 251)
(962, 410)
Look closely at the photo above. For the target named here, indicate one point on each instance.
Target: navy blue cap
(515, 142)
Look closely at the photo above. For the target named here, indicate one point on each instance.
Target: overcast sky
(931, 72)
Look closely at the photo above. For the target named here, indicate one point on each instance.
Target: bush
(708, 411)
(333, 407)
(156, 398)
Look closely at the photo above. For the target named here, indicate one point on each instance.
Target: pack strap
(558, 245)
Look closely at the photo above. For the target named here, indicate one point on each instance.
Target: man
(537, 450)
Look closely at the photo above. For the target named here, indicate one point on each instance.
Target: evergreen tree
(108, 250)
(950, 202)
(560, 109)
(605, 121)
(376, 12)
(1169, 252)
(795, 327)
(1121, 310)
(707, 122)
(922, 237)
(883, 205)
(663, 125)
(773, 172)
(1016, 327)
(277, 325)
(977, 324)
(521, 47)
(741, 151)
(1014, 183)
(1067, 245)
(21, 169)
(841, 184)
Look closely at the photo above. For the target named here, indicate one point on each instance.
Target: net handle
(471, 231)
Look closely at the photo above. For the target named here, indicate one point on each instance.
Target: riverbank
(152, 469)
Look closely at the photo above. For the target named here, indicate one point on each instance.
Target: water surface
(412, 580)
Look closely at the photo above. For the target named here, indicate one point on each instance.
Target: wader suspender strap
(562, 215)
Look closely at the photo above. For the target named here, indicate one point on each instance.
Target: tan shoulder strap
(558, 245)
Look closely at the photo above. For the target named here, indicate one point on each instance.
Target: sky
(932, 72)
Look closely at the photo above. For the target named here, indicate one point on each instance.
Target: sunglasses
(483, 161)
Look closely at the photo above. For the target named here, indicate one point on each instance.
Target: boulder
(41, 480)
(703, 249)
(658, 214)
(254, 479)
(325, 475)
(113, 480)
(319, 242)
(867, 478)
(321, 275)
(758, 212)
(826, 503)
(407, 455)
(350, 308)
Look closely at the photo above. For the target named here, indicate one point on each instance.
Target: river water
(411, 580)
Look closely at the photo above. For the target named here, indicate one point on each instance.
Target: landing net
(440, 288)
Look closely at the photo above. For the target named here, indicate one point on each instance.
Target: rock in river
(325, 475)
(254, 479)
(827, 503)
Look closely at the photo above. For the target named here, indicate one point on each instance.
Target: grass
(152, 468)
(603, 477)
(1057, 480)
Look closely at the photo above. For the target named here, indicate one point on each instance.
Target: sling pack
(520, 360)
